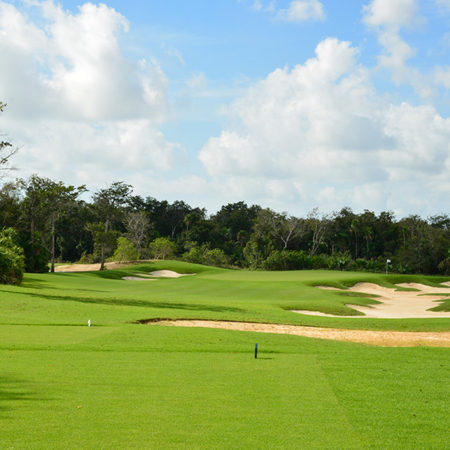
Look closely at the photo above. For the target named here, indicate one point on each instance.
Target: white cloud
(442, 76)
(257, 5)
(392, 13)
(320, 130)
(302, 10)
(197, 80)
(71, 91)
(388, 18)
(297, 10)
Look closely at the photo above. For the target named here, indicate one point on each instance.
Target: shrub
(204, 255)
(12, 260)
(216, 257)
(125, 251)
(162, 248)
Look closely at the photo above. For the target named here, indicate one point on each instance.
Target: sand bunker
(157, 274)
(167, 274)
(72, 268)
(379, 338)
(395, 304)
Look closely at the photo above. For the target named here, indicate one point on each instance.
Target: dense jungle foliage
(52, 224)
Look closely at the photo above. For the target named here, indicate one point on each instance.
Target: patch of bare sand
(379, 338)
(91, 267)
(396, 304)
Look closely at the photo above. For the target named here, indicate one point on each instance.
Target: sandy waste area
(72, 268)
(151, 276)
(378, 338)
(395, 304)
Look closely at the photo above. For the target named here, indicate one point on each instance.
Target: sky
(288, 104)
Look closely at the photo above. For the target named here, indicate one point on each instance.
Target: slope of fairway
(213, 294)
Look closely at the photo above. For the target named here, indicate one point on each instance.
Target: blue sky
(288, 104)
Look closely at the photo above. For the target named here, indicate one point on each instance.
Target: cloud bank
(319, 134)
(76, 103)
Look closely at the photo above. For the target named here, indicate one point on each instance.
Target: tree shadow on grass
(14, 390)
(134, 303)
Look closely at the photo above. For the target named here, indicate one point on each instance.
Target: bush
(204, 255)
(216, 258)
(252, 256)
(286, 260)
(125, 251)
(12, 259)
(162, 248)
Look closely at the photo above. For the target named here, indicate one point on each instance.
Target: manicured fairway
(120, 385)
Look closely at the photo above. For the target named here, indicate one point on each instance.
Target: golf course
(168, 361)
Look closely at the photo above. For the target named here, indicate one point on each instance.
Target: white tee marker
(89, 323)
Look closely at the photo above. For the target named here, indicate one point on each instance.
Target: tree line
(45, 222)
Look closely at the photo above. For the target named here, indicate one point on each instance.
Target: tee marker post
(256, 351)
(89, 323)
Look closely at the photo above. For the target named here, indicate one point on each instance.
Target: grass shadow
(134, 303)
(14, 390)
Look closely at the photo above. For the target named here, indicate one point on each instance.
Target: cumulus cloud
(71, 90)
(321, 130)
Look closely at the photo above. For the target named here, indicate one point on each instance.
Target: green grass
(216, 294)
(122, 385)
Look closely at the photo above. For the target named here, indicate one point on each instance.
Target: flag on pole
(388, 260)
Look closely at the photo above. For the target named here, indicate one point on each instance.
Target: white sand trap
(396, 304)
(157, 274)
(167, 274)
(380, 338)
(72, 268)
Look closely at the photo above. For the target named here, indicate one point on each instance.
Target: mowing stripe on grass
(170, 401)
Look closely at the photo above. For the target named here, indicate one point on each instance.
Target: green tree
(125, 251)
(109, 207)
(9, 205)
(58, 199)
(162, 248)
(11, 257)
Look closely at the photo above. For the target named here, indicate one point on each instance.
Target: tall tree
(137, 225)
(58, 199)
(109, 205)
(282, 227)
(318, 224)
